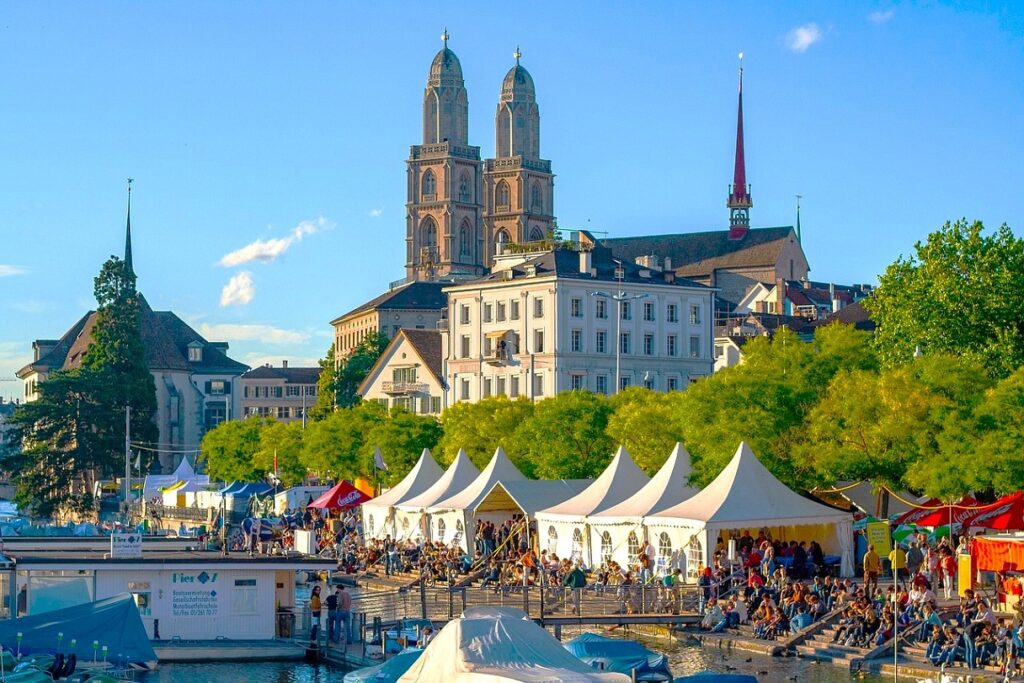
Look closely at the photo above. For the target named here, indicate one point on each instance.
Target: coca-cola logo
(985, 516)
(352, 497)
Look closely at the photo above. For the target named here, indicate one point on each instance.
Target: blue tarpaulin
(620, 656)
(256, 489)
(231, 488)
(113, 622)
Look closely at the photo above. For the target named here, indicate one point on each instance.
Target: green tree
(326, 388)
(333, 447)
(401, 438)
(58, 447)
(958, 294)
(642, 421)
(79, 417)
(283, 442)
(566, 437)
(481, 427)
(229, 450)
(353, 369)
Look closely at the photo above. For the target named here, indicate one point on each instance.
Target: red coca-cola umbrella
(940, 516)
(1006, 514)
(341, 496)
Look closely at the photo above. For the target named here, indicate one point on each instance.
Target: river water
(685, 659)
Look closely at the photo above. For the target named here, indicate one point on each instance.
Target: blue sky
(288, 124)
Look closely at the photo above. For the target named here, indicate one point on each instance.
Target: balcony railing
(404, 388)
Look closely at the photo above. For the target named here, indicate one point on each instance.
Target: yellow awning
(497, 334)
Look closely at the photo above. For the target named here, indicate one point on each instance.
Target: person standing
(872, 567)
(915, 558)
(898, 563)
(344, 614)
(315, 607)
(332, 616)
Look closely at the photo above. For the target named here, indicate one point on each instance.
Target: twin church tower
(460, 207)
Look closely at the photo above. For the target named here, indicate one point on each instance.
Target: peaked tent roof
(500, 468)
(531, 495)
(747, 494)
(421, 477)
(457, 477)
(666, 488)
(341, 496)
(620, 480)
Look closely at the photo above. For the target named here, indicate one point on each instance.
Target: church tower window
(465, 196)
(536, 198)
(464, 244)
(429, 232)
(536, 234)
(429, 183)
(502, 195)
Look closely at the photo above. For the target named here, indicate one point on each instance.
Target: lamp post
(618, 297)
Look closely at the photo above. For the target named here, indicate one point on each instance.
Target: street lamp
(618, 297)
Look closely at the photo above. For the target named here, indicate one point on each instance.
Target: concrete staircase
(820, 647)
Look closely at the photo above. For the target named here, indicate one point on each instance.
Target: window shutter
(208, 385)
(227, 387)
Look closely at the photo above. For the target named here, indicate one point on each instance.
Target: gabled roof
(165, 340)
(421, 477)
(411, 296)
(460, 474)
(666, 488)
(289, 375)
(697, 254)
(747, 494)
(500, 468)
(425, 343)
(620, 480)
(855, 314)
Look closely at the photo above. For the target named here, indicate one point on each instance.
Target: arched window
(464, 243)
(502, 194)
(465, 196)
(632, 548)
(536, 198)
(369, 525)
(536, 234)
(440, 529)
(577, 544)
(694, 559)
(429, 232)
(552, 540)
(606, 547)
(503, 237)
(429, 183)
(664, 550)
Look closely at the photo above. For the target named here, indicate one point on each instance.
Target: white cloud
(376, 213)
(251, 332)
(802, 37)
(7, 271)
(880, 17)
(268, 250)
(239, 290)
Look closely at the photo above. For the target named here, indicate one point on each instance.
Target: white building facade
(560, 320)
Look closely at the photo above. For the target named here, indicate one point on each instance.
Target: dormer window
(195, 352)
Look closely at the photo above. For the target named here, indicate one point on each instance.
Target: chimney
(284, 364)
(586, 261)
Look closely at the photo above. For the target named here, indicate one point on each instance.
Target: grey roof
(565, 263)
(696, 254)
(416, 296)
(289, 375)
(165, 340)
(855, 314)
(428, 345)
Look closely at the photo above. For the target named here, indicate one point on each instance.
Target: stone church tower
(518, 184)
(444, 228)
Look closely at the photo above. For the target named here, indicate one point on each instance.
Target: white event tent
(500, 645)
(516, 499)
(454, 517)
(154, 483)
(379, 513)
(616, 532)
(564, 526)
(412, 513)
(746, 496)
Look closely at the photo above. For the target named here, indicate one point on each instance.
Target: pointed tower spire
(128, 233)
(798, 239)
(739, 202)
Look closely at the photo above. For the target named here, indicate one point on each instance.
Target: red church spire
(739, 202)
